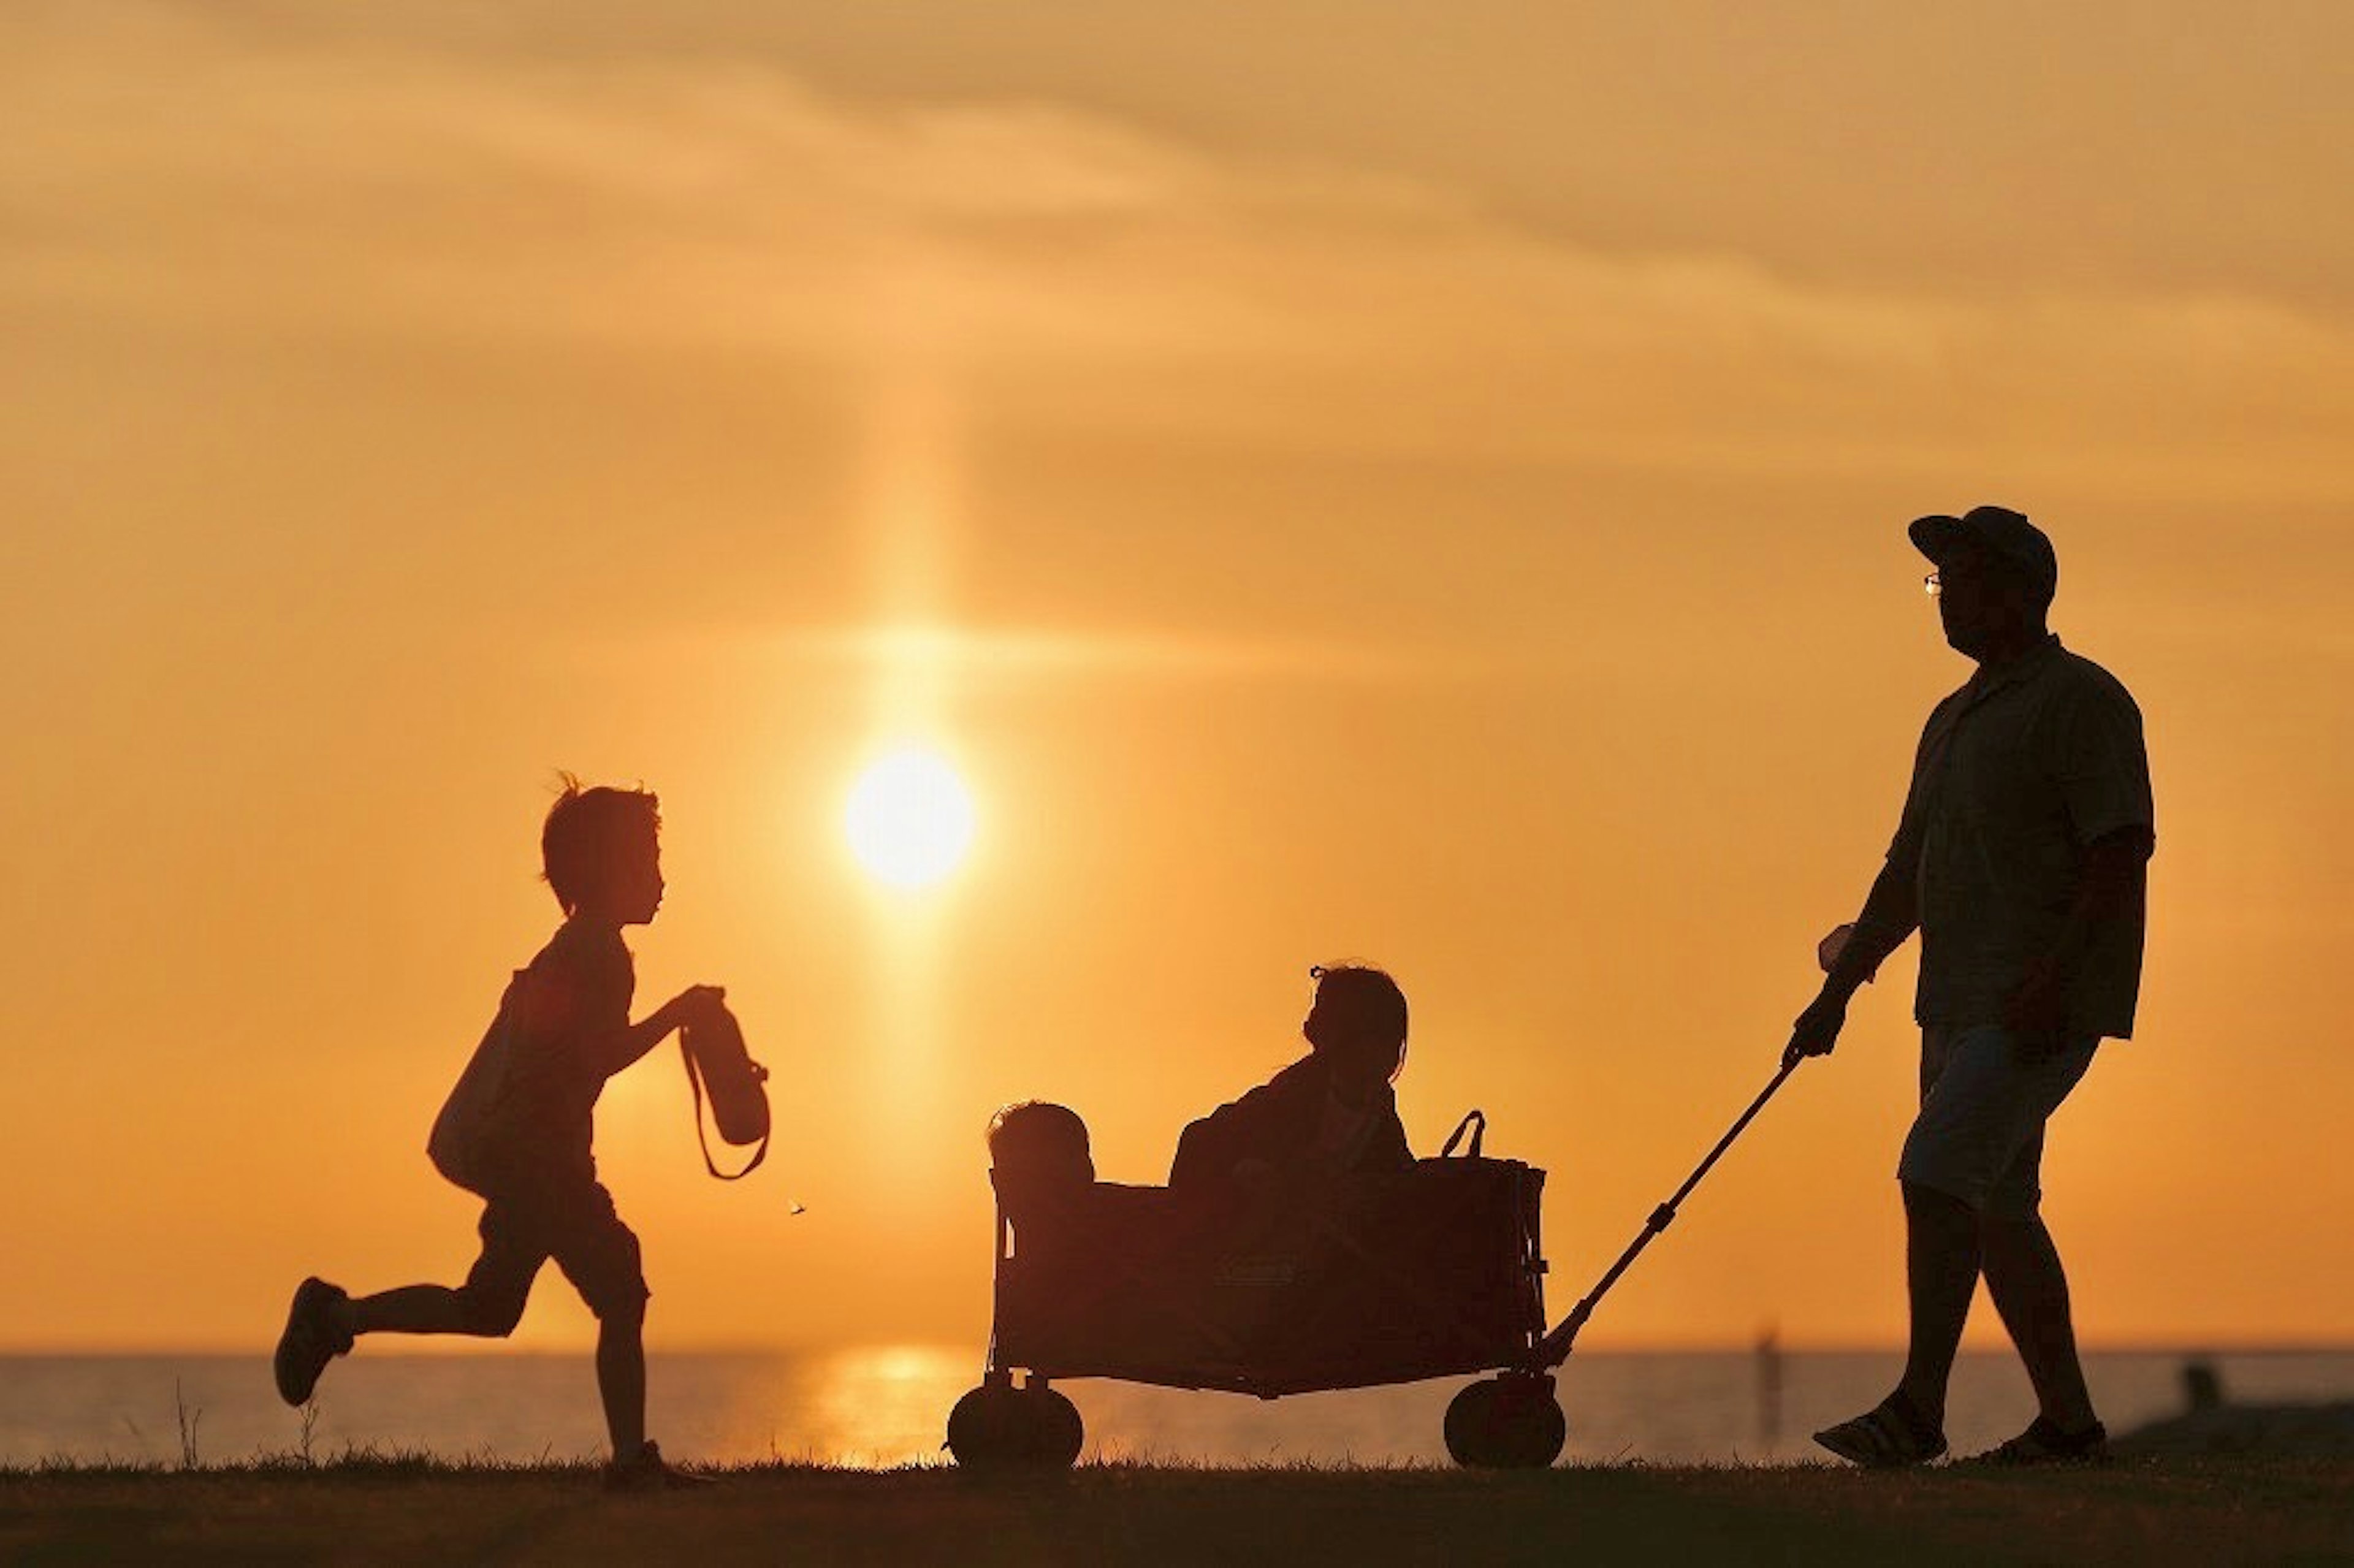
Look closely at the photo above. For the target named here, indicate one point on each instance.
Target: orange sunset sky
(1421, 480)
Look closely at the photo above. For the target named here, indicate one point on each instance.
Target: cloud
(1066, 269)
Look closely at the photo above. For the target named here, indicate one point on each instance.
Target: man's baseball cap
(2003, 533)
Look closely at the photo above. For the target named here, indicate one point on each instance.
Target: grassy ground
(2145, 1513)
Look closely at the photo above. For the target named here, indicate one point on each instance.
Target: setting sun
(909, 819)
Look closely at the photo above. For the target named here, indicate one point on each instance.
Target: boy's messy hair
(586, 829)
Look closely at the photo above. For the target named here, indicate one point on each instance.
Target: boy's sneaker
(645, 1472)
(314, 1336)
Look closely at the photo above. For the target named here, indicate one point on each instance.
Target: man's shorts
(572, 1222)
(1979, 1136)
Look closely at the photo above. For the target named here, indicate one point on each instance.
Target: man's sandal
(1890, 1436)
(2045, 1443)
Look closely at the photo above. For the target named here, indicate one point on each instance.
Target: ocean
(888, 1407)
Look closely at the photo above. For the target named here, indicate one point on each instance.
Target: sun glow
(909, 819)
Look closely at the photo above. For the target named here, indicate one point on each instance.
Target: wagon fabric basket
(1358, 1280)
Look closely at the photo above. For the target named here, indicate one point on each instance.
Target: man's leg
(2023, 1272)
(1941, 1272)
(1935, 1171)
(2030, 1287)
(1972, 1161)
(1941, 1268)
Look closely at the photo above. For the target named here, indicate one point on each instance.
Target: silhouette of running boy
(570, 1017)
(1332, 1112)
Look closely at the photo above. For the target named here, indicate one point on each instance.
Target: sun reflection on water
(879, 1406)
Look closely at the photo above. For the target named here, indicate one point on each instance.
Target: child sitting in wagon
(1333, 1112)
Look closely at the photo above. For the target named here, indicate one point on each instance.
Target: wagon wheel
(1508, 1422)
(989, 1429)
(1056, 1432)
(999, 1428)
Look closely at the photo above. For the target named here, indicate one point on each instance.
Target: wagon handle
(1475, 1122)
(1554, 1348)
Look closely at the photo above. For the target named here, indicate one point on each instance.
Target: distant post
(1768, 1362)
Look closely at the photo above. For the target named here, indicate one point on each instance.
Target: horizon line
(2188, 1348)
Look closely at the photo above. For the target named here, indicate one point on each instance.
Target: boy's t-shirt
(575, 1014)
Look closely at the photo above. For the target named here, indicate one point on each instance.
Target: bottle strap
(695, 1087)
(1474, 1122)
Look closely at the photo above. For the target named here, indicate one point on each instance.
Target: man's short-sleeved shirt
(2018, 772)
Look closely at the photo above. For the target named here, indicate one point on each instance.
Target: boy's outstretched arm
(624, 1047)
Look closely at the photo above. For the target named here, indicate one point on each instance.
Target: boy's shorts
(1979, 1136)
(572, 1222)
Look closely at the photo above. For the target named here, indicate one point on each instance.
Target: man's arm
(2107, 885)
(2102, 767)
(1892, 910)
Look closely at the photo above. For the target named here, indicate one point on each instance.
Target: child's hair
(1370, 1009)
(586, 829)
(1036, 1138)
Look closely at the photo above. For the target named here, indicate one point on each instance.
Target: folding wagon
(1434, 1271)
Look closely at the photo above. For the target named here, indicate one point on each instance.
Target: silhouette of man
(2020, 857)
